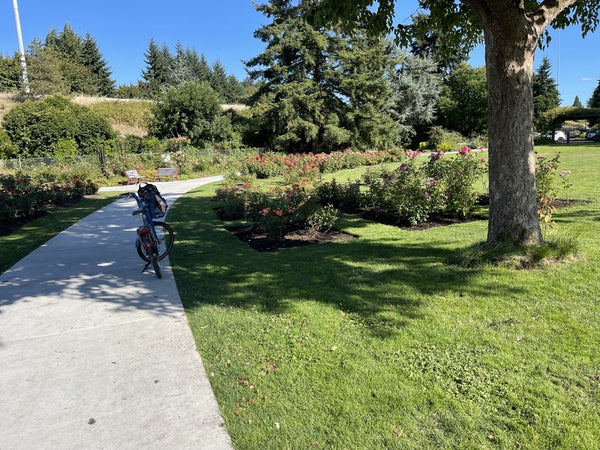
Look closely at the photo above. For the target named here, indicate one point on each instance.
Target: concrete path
(95, 354)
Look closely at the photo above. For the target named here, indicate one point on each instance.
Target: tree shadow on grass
(382, 279)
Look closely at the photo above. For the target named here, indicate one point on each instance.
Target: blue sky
(224, 30)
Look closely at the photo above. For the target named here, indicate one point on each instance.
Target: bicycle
(154, 238)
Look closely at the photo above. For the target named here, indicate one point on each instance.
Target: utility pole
(21, 49)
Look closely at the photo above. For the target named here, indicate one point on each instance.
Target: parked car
(559, 136)
(592, 135)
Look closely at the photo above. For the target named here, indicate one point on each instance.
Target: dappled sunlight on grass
(387, 339)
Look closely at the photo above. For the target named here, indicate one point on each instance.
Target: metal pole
(21, 49)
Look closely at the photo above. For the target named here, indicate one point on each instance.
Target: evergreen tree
(158, 68)
(594, 101)
(294, 95)
(180, 69)
(545, 91)
(317, 89)
(415, 89)
(218, 78)
(10, 74)
(67, 43)
(92, 59)
(577, 103)
(44, 70)
(363, 63)
(197, 65)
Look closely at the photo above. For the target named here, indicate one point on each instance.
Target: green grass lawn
(386, 341)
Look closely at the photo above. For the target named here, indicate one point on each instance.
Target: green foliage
(22, 195)
(66, 63)
(191, 110)
(546, 178)
(10, 74)
(319, 89)
(133, 113)
(35, 126)
(463, 101)
(594, 101)
(165, 70)
(545, 90)
(553, 119)
(8, 150)
(415, 88)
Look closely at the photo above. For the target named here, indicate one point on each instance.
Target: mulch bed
(260, 241)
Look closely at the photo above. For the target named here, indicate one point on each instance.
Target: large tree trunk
(509, 65)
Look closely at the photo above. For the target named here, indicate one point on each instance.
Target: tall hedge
(36, 127)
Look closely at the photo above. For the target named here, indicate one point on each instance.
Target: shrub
(36, 126)
(323, 219)
(455, 179)
(346, 197)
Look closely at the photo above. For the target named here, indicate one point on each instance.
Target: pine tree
(577, 103)
(158, 68)
(363, 66)
(199, 68)
(594, 101)
(545, 91)
(294, 94)
(44, 70)
(92, 59)
(67, 43)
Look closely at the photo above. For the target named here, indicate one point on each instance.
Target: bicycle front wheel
(156, 265)
(165, 236)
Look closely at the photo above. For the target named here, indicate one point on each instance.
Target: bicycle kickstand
(146, 266)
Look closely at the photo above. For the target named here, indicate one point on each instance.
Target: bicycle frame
(147, 239)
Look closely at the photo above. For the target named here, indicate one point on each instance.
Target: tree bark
(513, 200)
(511, 38)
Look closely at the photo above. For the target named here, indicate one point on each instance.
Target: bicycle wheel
(156, 265)
(165, 241)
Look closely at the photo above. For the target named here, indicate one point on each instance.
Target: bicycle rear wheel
(165, 236)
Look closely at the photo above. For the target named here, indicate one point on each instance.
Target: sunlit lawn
(386, 341)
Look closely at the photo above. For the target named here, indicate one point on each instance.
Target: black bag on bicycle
(148, 193)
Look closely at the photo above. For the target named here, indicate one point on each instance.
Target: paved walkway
(95, 354)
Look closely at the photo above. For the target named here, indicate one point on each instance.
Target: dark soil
(7, 226)
(260, 241)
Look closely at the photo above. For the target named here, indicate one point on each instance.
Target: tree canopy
(511, 30)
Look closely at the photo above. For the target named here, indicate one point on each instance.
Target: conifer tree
(10, 74)
(415, 89)
(92, 59)
(545, 91)
(594, 101)
(577, 103)
(317, 89)
(158, 67)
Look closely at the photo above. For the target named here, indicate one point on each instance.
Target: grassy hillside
(125, 116)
